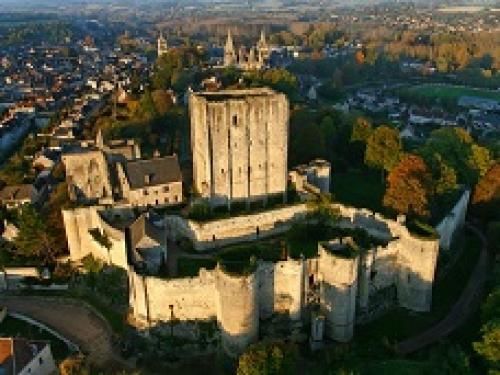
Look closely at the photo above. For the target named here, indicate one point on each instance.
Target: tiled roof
(157, 171)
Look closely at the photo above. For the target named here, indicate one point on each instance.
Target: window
(176, 198)
(166, 200)
(222, 171)
(40, 360)
(145, 192)
(235, 120)
(166, 189)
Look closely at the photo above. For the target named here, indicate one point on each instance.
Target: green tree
(480, 159)
(455, 149)
(488, 347)
(268, 358)
(383, 149)
(35, 238)
(361, 129)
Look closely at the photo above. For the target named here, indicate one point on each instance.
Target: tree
(455, 149)
(409, 185)
(35, 238)
(162, 101)
(361, 130)
(444, 176)
(486, 197)
(383, 148)
(268, 358)
(480, 159)
(489, 345)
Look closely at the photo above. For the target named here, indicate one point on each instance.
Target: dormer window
(148, 178)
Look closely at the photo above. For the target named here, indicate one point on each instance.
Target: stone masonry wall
(453, 221)
(78, 222)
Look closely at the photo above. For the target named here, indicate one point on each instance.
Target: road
(461, 311)
(72, 319)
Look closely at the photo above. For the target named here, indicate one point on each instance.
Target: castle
(336, 288)
(108, 173)
(255, 59)
(239, 144)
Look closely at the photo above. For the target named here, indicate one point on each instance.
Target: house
(153, 182)
(22, 357)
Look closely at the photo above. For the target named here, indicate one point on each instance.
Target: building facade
(151, 182)
(255, 58)
(239, 144)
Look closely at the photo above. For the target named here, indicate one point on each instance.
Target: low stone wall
(454, 221)
(216, 233)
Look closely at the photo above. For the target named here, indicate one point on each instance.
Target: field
(449, 92)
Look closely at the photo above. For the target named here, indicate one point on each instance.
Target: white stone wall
(454, 221)
(338, 279)
(87, 174)
(78, 222)
(210, 234)
(237, 311)
(239, 144)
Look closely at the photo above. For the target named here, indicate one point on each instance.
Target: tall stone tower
(162, 45)
(229, 52)
(263, 49)
(239, 142)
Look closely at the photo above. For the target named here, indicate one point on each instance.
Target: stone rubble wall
(453, 221)
(217, 233)
(78, 222)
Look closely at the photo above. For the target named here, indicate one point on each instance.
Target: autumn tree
(162, 101)
(409, 185)
(486, 197)
(383, 149)
(361, 129)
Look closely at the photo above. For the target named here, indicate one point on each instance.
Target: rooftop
(16, 192)
(157, 171)
(235, 94)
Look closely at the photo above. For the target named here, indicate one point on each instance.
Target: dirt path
(73, 319)
(466, 304)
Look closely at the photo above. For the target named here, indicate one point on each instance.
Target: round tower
(237, 310)
(338, 276)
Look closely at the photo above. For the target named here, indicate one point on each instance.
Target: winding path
(466, 304)
(73, 319)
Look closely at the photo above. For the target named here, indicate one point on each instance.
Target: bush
(269, 358)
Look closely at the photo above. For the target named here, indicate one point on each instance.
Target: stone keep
(239, 143)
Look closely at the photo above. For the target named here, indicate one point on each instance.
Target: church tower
(162, 45)
(229, 53)
(263, 49)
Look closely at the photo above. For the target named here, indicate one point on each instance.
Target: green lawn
(12, 327)
(452, 92)
(362, 189)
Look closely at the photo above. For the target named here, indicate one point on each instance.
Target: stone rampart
(216, 233)
(78, 224)
(453, 221)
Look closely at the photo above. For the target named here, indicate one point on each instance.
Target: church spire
(99, 141)
(162, 45)
(229, 53)
(229, 42)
